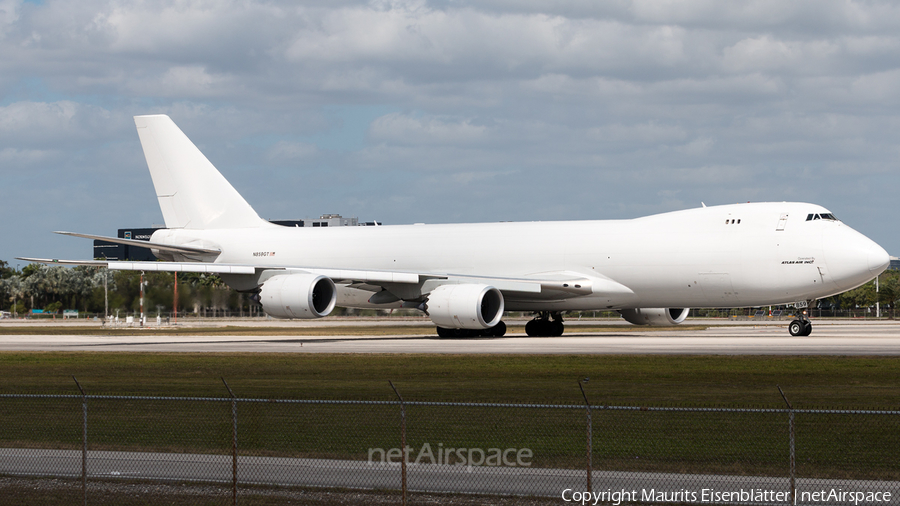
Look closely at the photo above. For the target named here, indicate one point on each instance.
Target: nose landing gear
(801, 327)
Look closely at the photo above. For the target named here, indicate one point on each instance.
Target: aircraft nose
(853, 258)
(878, 259)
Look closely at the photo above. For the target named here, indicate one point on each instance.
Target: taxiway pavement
(838, 338)
(422, 477)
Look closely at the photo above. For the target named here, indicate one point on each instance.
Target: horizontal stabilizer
(145, 244)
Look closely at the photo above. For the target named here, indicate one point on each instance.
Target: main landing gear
(545, 324)
(801, 327)
(497, 330)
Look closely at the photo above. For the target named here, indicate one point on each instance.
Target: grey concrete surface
(282, 471)
(736, 338)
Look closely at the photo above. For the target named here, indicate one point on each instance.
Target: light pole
(877, 302)
(175, 302)
(142, 298)
(106, 294)
(15, 307)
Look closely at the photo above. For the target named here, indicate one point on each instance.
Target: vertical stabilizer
(192, 193)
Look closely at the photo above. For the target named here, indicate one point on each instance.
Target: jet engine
(655, 316)
(301, 295)
(466, 306)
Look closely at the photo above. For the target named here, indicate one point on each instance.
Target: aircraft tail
(192, 193)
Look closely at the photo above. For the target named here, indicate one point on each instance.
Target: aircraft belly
(356, 298)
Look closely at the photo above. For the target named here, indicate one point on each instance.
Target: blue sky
(441, 112)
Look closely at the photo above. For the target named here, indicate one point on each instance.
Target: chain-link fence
(96, 449)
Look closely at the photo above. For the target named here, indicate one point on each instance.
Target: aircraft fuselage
(720, 256)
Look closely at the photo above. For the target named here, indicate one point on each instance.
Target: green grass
(828, 445)
(808, 381)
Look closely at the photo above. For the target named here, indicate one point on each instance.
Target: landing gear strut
(801, 327)
(546, 324)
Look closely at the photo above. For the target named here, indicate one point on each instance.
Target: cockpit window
(822, 216)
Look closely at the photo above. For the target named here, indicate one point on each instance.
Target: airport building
(110, 251)
(895, 264)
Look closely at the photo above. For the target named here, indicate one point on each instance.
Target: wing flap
(208, 268)
(350, 275)
(203, 267)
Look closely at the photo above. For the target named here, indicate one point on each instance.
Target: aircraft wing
(349, 275)
(557, 285)
(207, 267)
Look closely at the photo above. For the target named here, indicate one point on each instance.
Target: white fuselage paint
(691, 258)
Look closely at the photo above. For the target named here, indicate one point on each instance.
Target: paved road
(829, 338)
(422, 477)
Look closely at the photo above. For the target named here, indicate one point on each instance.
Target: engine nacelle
(655, 316)
(467, 306)
(300, 295)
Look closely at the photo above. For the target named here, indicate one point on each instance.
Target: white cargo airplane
(463, 276)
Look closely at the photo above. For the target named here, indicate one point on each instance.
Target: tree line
(54, 288)
(865, 297)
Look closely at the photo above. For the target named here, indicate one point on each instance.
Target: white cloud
(698, 147)
(613, 108)
(53, 123)
(25, 157)
(399, 128)
(184, 81)
(9, 12)
(880, 89)
(286, 151)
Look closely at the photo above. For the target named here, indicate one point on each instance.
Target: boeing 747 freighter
(463, 276)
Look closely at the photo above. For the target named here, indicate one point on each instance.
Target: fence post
(233, 444)
(793, 459)
(402, 442)
(83, 442)
(590, 435)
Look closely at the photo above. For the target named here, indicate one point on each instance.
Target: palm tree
(14, 290)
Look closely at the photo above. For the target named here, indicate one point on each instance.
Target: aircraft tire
(496, 331)
(807, 328)
(544, 328)
(797, 327)
(556, 328)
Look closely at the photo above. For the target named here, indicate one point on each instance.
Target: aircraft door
(781, 222)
